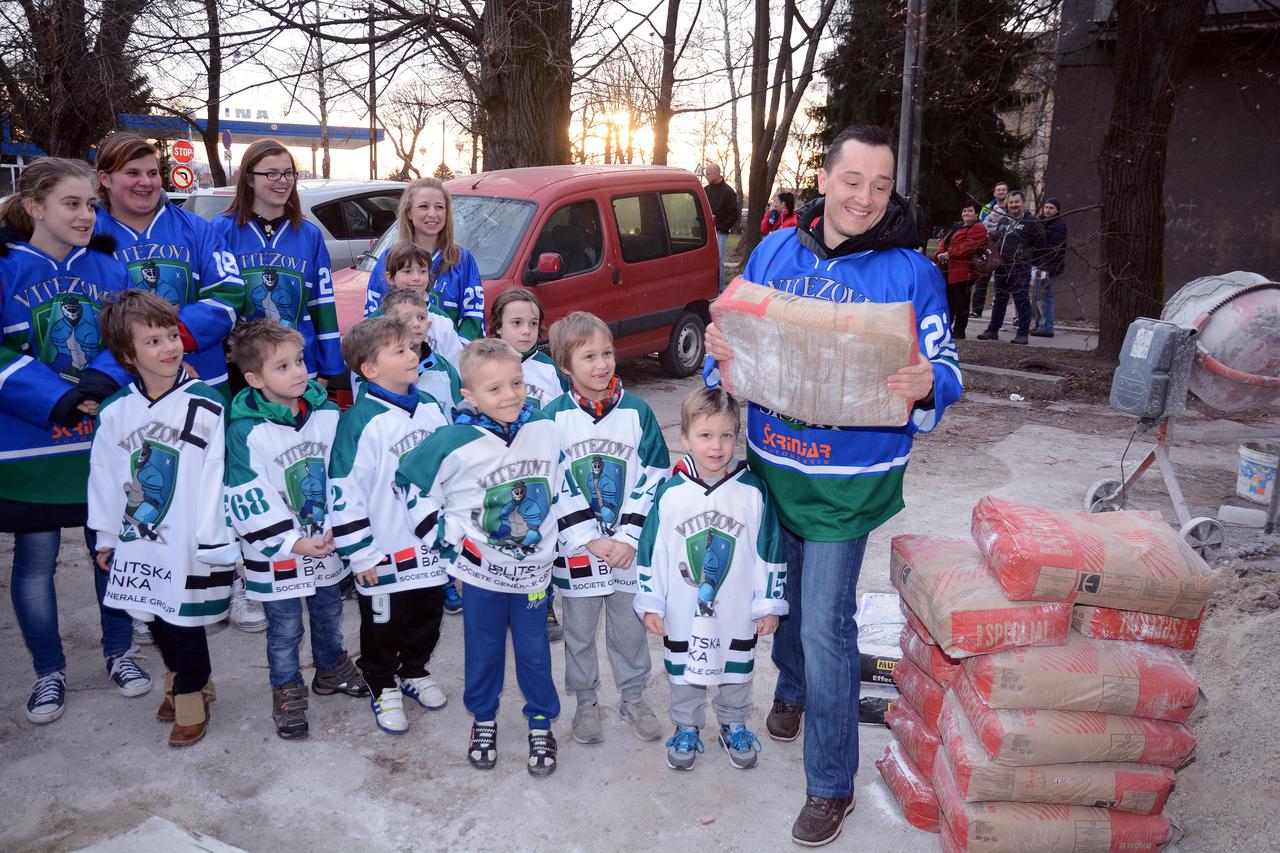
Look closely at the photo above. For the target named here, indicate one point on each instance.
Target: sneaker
(482, 750)
(289, 711)
(129, 678)
(345, 679)
(542, 753)
(821, 820)
(783, 722)
(989, 336)
(975, 313)
(959, 336)
(1037, 333)
(586, 723)
(741, 744)
(388, 711)
(142, 633)
(683, 748)
(48, 698)
(642, 718)
(424, 691)
(245, 614)
(1019, 339)
(452, 599)
(555, 631)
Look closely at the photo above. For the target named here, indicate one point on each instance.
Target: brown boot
(165, 714)
(191, 719)
(783, 722)
(821, 820)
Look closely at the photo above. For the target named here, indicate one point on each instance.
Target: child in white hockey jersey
(436, 375)
(408, 267)
(617, 456)
(712, 565)
(398, 577)
(155, 502)
(493, 494)
(278, 443)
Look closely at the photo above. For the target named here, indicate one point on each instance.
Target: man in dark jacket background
(724, 207)
(1048, 267)
(1019, 238)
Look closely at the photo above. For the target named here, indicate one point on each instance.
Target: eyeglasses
(274, 176)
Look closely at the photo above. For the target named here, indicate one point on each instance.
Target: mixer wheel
(1205, 536)
(1103, 496)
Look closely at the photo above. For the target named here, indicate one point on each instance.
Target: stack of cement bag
(1017, 731)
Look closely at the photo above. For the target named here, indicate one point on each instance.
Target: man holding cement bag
(833, 486)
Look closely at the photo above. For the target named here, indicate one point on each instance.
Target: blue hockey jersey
(457, 291)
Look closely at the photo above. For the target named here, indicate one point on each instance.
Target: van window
(685, 222)
(642, 231)
(573, 233)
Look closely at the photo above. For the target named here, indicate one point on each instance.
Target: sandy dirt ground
(103, 770)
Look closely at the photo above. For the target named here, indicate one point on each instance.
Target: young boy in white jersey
(409, 267)
(712, 569)
(493, 494)
(278, 444)
(617, 456)
(398, 577)
(436, 376)
(155, 502)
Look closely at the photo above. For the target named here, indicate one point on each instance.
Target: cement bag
(1108, 624)
(911, 788)
(932, 660)
(924, 694)
(1024, 827)
(1128, 787)
(874, 702)
(819, 361)
(910, 730)
(946, 584)
(879, 651)
(1028, 737)
(1128, 560)
(1113, 677)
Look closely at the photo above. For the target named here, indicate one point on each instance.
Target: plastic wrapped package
(928, 656)
(910, 787)
(924, 694)
(816, 360)
(1106, 623)
(920, 744)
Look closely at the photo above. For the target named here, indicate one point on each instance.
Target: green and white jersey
(618, 462)
(543, 381)
(370, 527)
(439, 378)
(712, 560)
(277, 491)
(155, 496)
(496, 507)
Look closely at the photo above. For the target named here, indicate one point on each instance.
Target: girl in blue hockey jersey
(170, 252)
(54, 276)
(282, 257)
(426, 218)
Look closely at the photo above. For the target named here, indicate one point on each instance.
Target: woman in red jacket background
(781, 213)
(967, 238)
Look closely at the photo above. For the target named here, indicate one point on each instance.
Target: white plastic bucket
(1257, 476)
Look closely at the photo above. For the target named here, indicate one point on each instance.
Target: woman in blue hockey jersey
(54, 276)
(282, 257)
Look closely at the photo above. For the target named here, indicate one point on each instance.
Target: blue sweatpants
(484, 629)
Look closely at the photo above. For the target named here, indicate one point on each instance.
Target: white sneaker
(425, 692)
(388, 711)
(245, 614)
(142, 633)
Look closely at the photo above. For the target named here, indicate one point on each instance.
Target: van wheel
(684, 353)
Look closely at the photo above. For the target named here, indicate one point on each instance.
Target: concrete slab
(159, 834)
(1003, 380)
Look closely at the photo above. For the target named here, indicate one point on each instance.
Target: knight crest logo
(149, 493)
(602, 480)
(305, 485)
(67, 328)
(167, 279)
(276, 295)
(513, 514)
(710, 554)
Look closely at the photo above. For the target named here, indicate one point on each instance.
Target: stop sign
(182, 151)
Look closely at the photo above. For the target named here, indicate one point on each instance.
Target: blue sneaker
(48, 698)
(452, 598)
(129, 678)
(741, 744)
(683, 748)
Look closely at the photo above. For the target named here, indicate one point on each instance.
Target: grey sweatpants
(624, 640)
(689, 704)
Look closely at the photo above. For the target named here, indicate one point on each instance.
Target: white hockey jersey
(155, 496)
(495, 505)
(712, 560)
(543, 381)
(277, 491)
(618, 462)
(370, 527)
(438, 378)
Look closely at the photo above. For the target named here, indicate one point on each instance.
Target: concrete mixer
(1230, 360)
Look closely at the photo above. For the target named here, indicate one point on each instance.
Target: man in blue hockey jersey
(855, 244)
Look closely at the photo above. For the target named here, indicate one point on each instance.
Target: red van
(631, 244)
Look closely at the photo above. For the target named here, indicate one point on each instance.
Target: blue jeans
(284, 634)
(722, 243)
(1015, 281)
(816, 652)
(35, 559)
(1042, 303)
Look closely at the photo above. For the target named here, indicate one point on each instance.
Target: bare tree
(408, 110)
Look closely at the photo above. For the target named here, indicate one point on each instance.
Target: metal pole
(906, 111)
(373, 106)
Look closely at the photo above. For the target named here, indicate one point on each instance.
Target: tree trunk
(214, 106)
(761, 140)
(732, 74)
(666, 86)
(1154, 40)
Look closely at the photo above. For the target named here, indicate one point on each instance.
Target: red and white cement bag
(994, 827)
(911, 788)
(1110, 676)
(1106, 623)
(924, 694)
(946, 584)
(1127, 560)
(931, 659)
(1129, 787)
(1027, 737)
(819, 360)
(911, 731)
